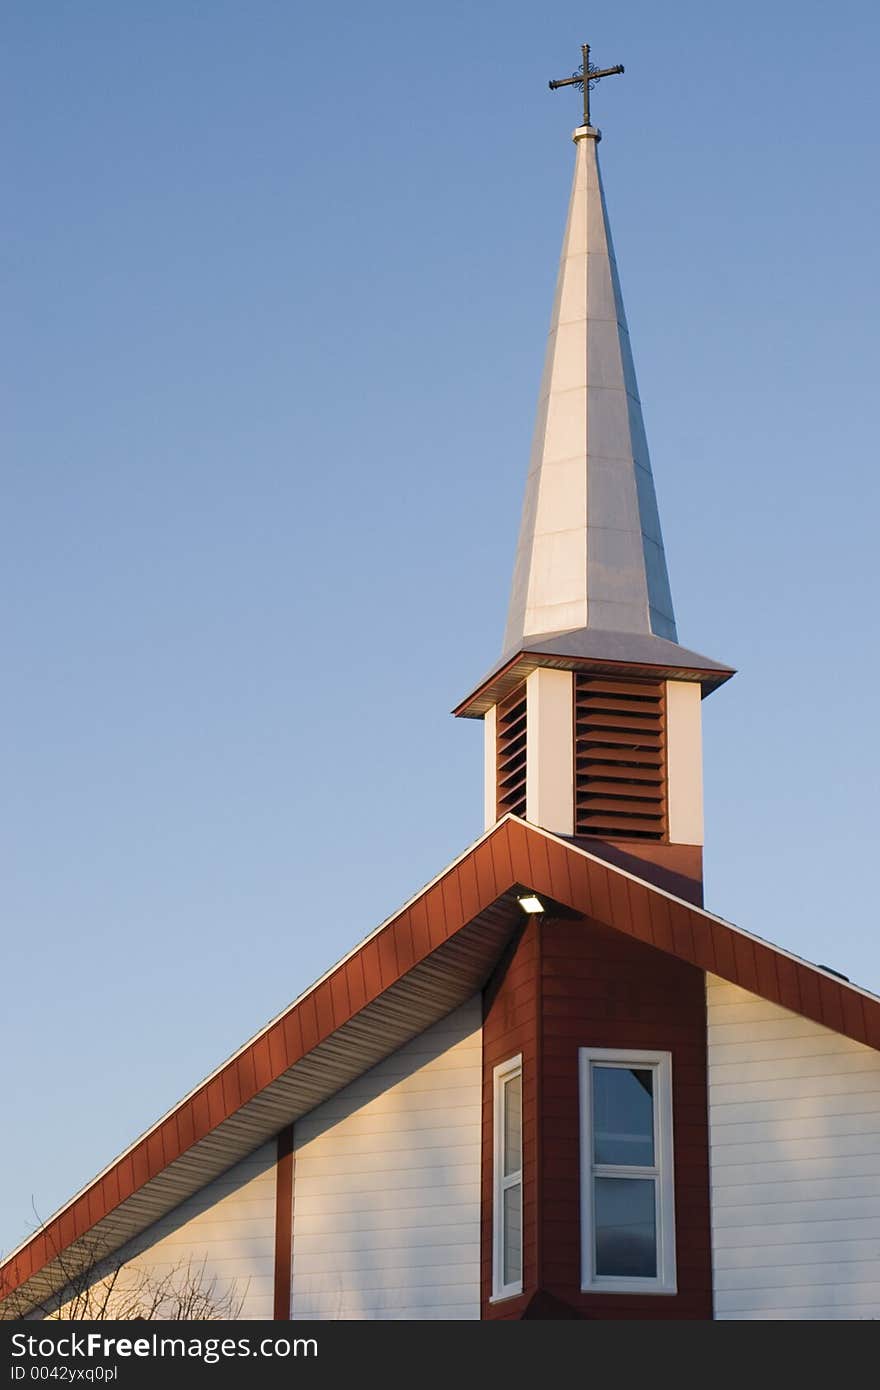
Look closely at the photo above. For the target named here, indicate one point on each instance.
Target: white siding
(794, 1116)
(386, 1217)
(230, 1225)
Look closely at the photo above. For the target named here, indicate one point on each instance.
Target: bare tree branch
(97, 1286)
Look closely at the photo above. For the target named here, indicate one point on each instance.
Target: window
(507, 1242)
(627, 1192)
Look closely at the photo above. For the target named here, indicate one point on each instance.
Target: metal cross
(585, 78)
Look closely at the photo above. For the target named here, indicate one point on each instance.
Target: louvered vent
(511, 734)
(620, 758)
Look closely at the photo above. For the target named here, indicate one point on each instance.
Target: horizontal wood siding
(795, 1162)
(428, 958)
(602, 989)
(229, 1225)
(386, 1202)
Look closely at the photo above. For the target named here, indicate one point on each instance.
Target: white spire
(590, 552)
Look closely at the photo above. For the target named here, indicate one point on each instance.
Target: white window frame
(662, 1171)
(503, 1073)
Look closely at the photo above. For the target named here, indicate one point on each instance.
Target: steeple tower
(590, 551)
(593, 713)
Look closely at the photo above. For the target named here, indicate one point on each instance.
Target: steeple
(593, 713)
(590, 551)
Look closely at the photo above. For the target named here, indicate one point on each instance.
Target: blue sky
(276, 280)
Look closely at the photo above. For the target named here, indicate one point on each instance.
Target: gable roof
(435, 952)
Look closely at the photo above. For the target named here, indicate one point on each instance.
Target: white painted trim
(501, 1074)
(550, 750)
(490, 767)
(662, 1171)
(684, 762)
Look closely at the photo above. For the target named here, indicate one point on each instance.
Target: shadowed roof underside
(603, 653)
(433, 954)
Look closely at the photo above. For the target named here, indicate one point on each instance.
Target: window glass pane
(512, 1102)
(626, 1227)
(512, 1235)
(623, 1116)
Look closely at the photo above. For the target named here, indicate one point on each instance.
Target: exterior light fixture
(530, 903)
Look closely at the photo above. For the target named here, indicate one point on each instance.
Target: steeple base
(678, 869)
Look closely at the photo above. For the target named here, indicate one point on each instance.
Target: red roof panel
(512, 853)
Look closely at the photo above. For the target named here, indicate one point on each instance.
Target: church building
(553, 1085)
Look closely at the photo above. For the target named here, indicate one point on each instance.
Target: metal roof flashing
(590, 649)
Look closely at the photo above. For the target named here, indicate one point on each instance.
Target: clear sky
(276, 280)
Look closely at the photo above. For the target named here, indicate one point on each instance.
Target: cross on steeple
(584, 78)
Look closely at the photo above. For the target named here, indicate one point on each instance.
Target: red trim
(677, 869)
(601, 988)
(539, 1101)
(283, 1224)
(513, 853)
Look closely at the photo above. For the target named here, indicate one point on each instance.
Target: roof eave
(430, 956)
(512, 671)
